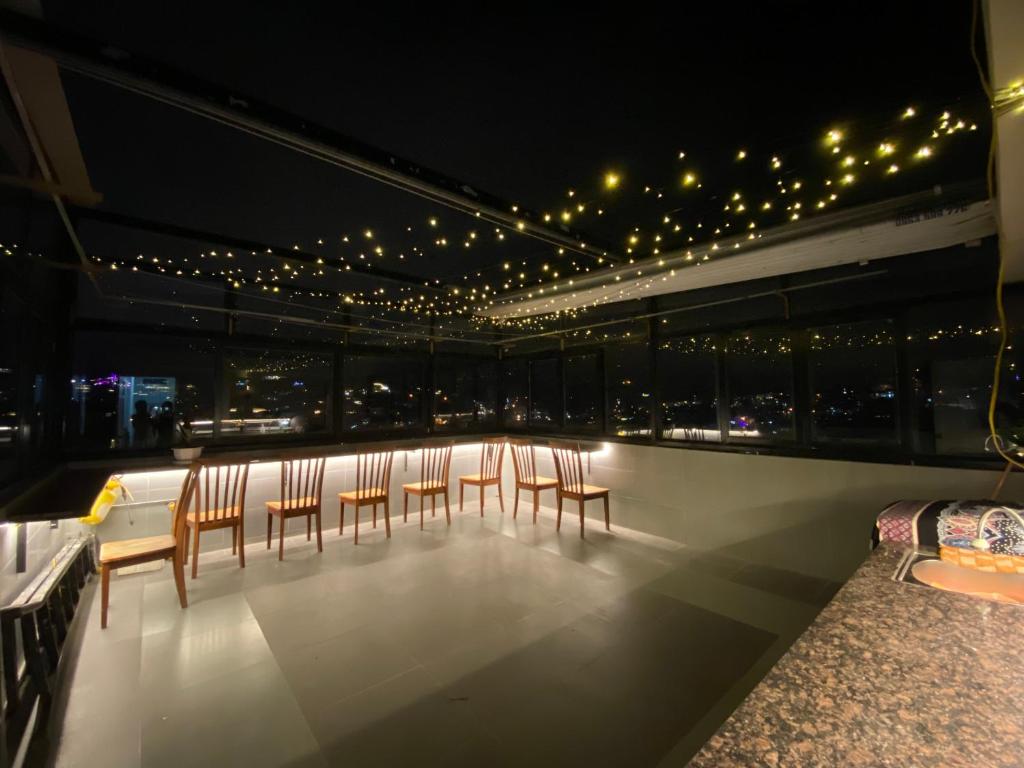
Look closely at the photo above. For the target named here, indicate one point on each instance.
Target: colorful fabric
(950, 523)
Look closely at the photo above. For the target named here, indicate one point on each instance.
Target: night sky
(524, 105)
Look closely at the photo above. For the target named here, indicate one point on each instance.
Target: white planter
(185, 455)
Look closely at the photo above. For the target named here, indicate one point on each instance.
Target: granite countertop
(889, 674)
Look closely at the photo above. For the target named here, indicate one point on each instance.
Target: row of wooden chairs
(213, 497)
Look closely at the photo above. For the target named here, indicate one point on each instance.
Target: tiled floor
(493, 642)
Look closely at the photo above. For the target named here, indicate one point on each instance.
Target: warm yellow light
(848, 161)
(520, 225)
(848, 179)
(923, 152)
(892, 168)
(909, 112)
(368, 234)
(776, 163)
(741, 155)
(689, 180)
(834, 136)
(886, 148)
(566, 216)
(611, 180)
(433, 221)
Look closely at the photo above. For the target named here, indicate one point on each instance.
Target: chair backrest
(302, 480)
(183, 505)
(434, 464)
(523, 459)
(219, 490)
(491, 454)
(373, 470)
(568, 466)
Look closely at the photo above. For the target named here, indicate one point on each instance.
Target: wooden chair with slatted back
(492, 452)
(524, 460)
(302, 481)
(373, 487)
(569, 468)
(434, 465)
(218, 502)
(167, 546)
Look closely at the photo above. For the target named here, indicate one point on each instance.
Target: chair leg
(319, 529)
(462, 491)
(421, 511)
(581, 517)
(280, 538)
(234, 540)
(501, 501)
(536, 504)
(188, 542)
(515, 507)
(607, 517)
(482, 489)
(405, 507)
(558, 518)
(375, 515)
(356, 523)
(309, 526)
(104, 594)
(387, 516)
(241, 543)
(195, 552)
(179, 578)
(341, 523)
(270, 530)
(447, 511)
(433, 505)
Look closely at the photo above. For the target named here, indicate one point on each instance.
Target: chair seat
(478, 478)
(129, 549)
(589, 490)
(301, 503)
(367, 493)
(424, 487)
(542, 482)
(222, 516)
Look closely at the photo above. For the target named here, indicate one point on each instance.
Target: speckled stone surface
(890, 674)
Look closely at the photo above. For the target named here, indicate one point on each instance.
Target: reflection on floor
(493, 642)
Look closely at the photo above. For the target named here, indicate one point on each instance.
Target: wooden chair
(302, 481)
(373, 484)
(168, 546)
(491, 455)
(524, 460)
(569, 468)
(434, 465)
(218, 502)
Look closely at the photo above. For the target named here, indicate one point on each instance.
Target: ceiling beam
(157, 81)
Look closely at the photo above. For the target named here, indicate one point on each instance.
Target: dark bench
(40, 615)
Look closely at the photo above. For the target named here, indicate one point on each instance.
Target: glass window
(629, 389)
(689, 399)
(853, 383)
(516, 385)
(952, 351)
(759, 371)
(464, 393)
(583, 391)
(134, 391)
(273, 392)
(545, 392)
(382, 392)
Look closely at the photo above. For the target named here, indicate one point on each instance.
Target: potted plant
(186, 451)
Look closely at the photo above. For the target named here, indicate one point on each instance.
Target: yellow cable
(990, 164)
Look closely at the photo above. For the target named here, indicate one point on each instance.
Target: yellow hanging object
(107, 497)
